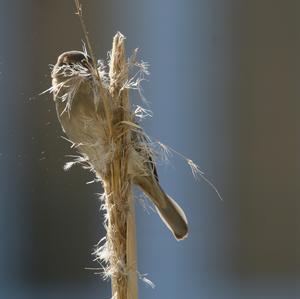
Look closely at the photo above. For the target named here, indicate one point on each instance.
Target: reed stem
(121, 235)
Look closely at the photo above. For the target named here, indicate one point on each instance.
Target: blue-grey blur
(224, 90)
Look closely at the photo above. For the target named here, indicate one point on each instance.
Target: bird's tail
(169, 211)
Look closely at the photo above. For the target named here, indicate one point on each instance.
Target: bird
(80, 114)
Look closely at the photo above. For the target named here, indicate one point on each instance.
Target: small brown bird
(78, 111)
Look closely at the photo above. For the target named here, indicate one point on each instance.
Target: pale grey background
(224, 90)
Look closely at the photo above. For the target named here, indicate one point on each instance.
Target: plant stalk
(121, 231)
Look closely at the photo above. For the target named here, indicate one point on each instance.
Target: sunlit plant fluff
(94, 111)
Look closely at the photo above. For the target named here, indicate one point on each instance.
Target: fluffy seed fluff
(105, 156)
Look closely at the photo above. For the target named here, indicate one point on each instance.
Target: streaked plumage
(81, 120)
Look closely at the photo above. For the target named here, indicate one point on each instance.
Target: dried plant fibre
(121, 217)
(94, 110)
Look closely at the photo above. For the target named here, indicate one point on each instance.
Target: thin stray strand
(193, 166)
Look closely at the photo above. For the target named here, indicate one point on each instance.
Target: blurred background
(224, 90)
